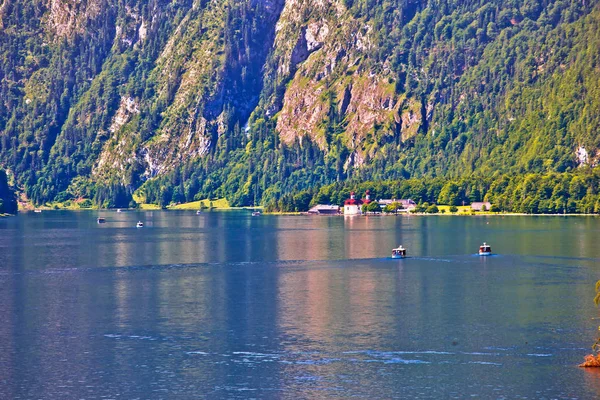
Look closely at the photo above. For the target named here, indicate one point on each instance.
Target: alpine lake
(226, 305)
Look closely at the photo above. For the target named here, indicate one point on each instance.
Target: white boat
(400, 252)
(101, 220)
(118, 210)
(37, 210)
(140, 224)
(198, 212)
(485, 249)
(256, 214)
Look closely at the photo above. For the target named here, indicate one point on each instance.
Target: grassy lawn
(206, 203)
(461, 209)
(221, 204)
(149, 207)
(67, 205)
(466, 210)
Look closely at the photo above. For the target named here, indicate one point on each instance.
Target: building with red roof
(352, 206)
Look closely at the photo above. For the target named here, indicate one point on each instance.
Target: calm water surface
(224, 305)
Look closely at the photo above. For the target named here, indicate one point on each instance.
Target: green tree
(593, 360)
(450, 194)
(302, 201)
(374, 207)
(421, 208)
(432, 209)
(392, 207)
(8, 200)
(87, 203)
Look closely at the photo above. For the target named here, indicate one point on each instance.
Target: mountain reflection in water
(224, 305)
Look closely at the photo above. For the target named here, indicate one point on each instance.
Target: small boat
(101, 220)
(485, 250)
(400, 252)
(198, 212)
(118, 210)
(140, 224)
(37, 210)
(256, 213)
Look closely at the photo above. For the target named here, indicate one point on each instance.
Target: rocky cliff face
(201, 73)
(127, 91)
(324, 56)
(67, 18)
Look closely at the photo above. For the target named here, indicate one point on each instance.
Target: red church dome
(352, 200)
(367, 199)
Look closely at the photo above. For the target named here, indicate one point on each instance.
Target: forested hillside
(255, 99)
(575, 192)
(8, 200)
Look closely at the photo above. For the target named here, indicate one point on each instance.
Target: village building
(384, 203)
(407, 204)
(324, 209)
(481, 206)
(353, 206)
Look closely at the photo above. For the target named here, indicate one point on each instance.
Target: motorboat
(101, 220)
(118, 210)
(256, 213)
(485, 250)
(37, 210)
(140, 224)
(198, 212)
(400, 252)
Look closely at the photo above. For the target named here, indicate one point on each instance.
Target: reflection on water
(223, 305)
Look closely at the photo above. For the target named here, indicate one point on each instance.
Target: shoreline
(305, 213)
(434, 215)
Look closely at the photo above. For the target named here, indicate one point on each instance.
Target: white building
(324, 209)
(407, 204)
(352, 206)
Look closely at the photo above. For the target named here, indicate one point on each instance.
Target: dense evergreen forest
(8, 200)
(534, 193)
(259, 102)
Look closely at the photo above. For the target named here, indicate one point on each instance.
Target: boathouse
(324, 209)
(481, 206)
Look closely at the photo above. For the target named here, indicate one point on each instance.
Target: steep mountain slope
(251, 99)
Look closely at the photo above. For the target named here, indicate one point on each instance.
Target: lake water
(225, 305)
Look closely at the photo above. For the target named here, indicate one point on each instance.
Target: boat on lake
(198, 212)
(140, 224)
(101, 220)
(37, 210)
(256, 213)
(118, 210)
(485, 249)
(400, 252)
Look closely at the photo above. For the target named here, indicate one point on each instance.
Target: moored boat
(485, 249)
(101, 220)
(140, 224)
(37, 210)
(256, 214)
(198, 212)
(400, 252)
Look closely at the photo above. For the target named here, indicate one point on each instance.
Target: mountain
(252, 99)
